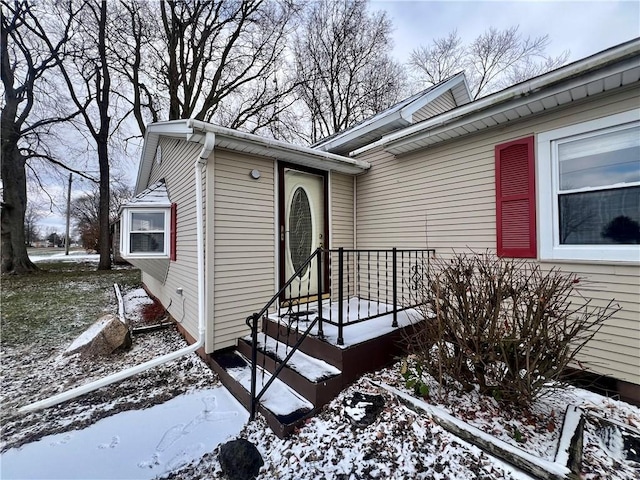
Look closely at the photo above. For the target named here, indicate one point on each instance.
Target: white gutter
(278, 145)
(404, 113)
(522, 91)
(129, 372)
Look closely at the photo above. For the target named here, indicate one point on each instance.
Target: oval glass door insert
(300, 230)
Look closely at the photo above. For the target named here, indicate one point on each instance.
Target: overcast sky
(583, 28)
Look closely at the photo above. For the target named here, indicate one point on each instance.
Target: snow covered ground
(77, 256)
(134, 444)
(169, 421)
(405, 443)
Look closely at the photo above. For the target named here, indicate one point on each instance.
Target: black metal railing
(339, 287)
(373, 283)
(253, 320)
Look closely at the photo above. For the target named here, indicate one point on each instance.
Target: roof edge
(405, 114)
(192, 130)
(521, 90)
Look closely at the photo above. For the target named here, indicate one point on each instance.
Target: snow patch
(353, 309)
(307, 366)
(278, 398)
(138, 444)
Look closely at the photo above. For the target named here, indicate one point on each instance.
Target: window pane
(600, 160)
(147, 221)
(605, 217)
(147, 242)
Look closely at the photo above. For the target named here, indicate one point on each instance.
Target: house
(548, 169)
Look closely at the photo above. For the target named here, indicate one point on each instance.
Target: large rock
(240, 460)
(105, 336)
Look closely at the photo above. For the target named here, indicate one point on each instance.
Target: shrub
(502, 324)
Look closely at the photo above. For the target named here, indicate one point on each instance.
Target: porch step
(314, 379)
(354, 360)
(311, 346)
(310, 382)
(282, 407)
(313, 369)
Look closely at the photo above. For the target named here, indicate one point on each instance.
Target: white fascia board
(408, 111)
(172, 128)
(522, 93)
(147, 205)
(362, 129)
(447, 126)
(195, 130)
(282, 150)
(405, 114)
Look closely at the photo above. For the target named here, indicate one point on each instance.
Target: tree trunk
(14, 204)
(103, 92)
(14, 194)
(103, 210)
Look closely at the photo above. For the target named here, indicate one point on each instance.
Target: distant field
(59, 302)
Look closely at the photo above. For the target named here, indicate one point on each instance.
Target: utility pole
(66, 239)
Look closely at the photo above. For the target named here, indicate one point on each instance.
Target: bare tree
(494, 60)
(85, 210)
(442, 59)
(136, 34)
(28, 54)
(343, 65)
(87, 76)
(31, 228)
(215, 61)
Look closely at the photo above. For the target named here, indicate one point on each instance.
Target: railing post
(340, 294)
(254, 364)
(394, 277)
(320, 291)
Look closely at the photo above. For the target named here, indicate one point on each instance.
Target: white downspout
(355, 212)
(201, 161)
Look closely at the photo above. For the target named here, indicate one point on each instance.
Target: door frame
(322, 289)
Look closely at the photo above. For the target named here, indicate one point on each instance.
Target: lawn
(61, 300)
(42, 313)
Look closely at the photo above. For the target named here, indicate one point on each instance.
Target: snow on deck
(353, 309)
(279, 398)
(139, 444)
(309, 367)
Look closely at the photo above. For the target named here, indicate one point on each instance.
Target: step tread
(280, 399)
(313, 369)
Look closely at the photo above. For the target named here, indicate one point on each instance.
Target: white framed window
(146, 232)
(589, 190)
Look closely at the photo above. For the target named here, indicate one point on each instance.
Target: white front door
(302, 230)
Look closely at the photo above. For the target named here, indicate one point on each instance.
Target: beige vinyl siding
(444, 198)
(157, 269)
(178, 157)
(341, 205)
(341, 202)
(443, 103)
(244, 248)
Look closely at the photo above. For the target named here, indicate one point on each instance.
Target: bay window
(146, 232)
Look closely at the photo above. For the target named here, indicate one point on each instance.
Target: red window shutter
(516, 199)
(173, 235)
